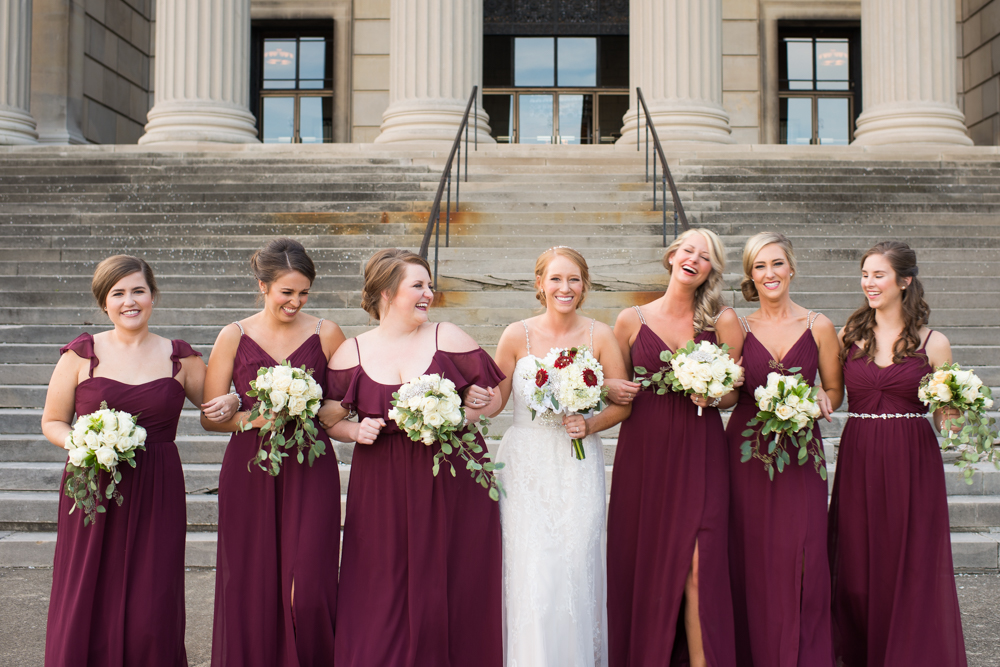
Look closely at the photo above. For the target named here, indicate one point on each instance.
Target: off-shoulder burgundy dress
(276, 533)
(420, 579)
(670, 489)
(894, 597)
(777, 533)
(118, 583)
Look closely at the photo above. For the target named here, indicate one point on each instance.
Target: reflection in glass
(501, 111)
(799, 53)
(832, 64)
(312, 62)
(610, 113)
(279, 63)
(315, 120)
(534, 61)
(576, 119)
(279, 120)
(833, 117)
(534, 119)
(796, 120)
(577, 61)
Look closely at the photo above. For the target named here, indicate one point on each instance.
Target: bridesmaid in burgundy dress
(276, 580)
(778, 560)
(894, 597)
(420, 580)
(669, 601)
(118, 583)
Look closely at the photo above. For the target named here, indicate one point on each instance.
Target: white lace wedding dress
(552, 521)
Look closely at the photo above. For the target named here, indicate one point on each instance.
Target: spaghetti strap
(357, 346)
(716, 321)
(812, 319)
(319, 325)
(638, 311)
(527, 340)
(744, 324)
(592, 322)
(242, 332)
(436, 328)
(927, 340)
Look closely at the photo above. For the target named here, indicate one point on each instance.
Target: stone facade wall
(979, 46)
(741, 68)
(369, 69)
(117, 69)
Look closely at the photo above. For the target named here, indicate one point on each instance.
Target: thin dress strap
(926, 340)
(716, 321)
(357, 346)
(436, 328)
(319, 325)
(242, 332)
(745, 323)
(812, 319)
(638, 311)
(527, 340)
(592, 322)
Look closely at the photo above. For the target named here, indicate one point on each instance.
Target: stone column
(435, 57)
(16, 124)
(202, 73)
(675, 56)
(908, 74)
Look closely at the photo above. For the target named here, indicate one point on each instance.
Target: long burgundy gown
(118, 583)
(778, 560)
(276, 533)
(420, 579)
(670, 489)
(894, 597)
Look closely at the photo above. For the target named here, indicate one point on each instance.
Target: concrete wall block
(371, 9)
(138, 104)
(974, 105)
(365, 135)
(118, 17)
(746, 135)
(743, 108)
(740, 73)
(971, 35)
(127, 131)
(978, 67)
(141, 32)
(990, 21)
(368, 107)
(110, 89)
(96, 9)
(740, 38)
(991, 97)
(371, 37)
(740, 9)
(970, 7)
(100, 125)
(93, 79)
(371, 73)
(131, 62)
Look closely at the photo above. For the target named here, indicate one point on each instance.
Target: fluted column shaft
(675, 56)
(16, 124)
(435, 58)
(202, 74)
(908, 74)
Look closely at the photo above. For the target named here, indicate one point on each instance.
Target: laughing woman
(777, 539)
(118, 584)
(894, 597)
(669, 600)
(276, 584)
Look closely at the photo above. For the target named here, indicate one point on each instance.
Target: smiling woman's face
(414, 296)
(771, 272)
(691, 264)
(129, 304)
(562, 284)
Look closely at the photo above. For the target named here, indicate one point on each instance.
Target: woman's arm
(608, 353)
(938, 354)
(623, 391)
(218, 380)
(60, 399)
(831, 371)
(729, 332)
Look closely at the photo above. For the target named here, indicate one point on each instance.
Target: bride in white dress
(552, 516)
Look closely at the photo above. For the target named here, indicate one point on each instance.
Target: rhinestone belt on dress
(891, 415)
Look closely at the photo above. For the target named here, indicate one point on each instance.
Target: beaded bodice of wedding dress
(552, 520)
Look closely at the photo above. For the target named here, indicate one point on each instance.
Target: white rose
(278, 400)
(720, 369)
(703, 372)
(970, 394)
(699, 386)
(297, 405)
(800, 421)
(962, 377)
(283, 371)
(429, 405)
(427, 436)
(106, 456)
(263, 382)
(281, 383)
(108, 438)
(685, 377)
(78, 456)
(454, 399)
(446, 386)
(814, 411)
(942, 393)
(988, 402)
(717, 389)
(433, 419)
(125, 423)
(395, 415)
(784, 412)
(315, 391)
(139, 435)
(454, 416)
(90, 439)
(298, 387)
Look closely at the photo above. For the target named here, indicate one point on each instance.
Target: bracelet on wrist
(715, 403)
(239, 400)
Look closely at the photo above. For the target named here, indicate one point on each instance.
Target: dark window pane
(576, 119)
(315, 120)
(610, 113)
(501, 112)
(534, 119)
(312, 58)
(279, 120)
(799, 55)
(834, 121)
(534, 61)
(577, 61)
(279, 63)
(614, 62)
(497, 62)
(832, 64)
(796, 120)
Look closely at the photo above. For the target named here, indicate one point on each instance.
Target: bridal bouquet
(950, 386)
(568, 381)
(285, 396)
(788, 412)
(98, 443)
(697, 368)
(428, 409)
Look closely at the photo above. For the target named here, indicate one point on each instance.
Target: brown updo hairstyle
(542, 265)
(279, 256)
(114, 268)
(753, 247)
(861, 324)
(708, 302)
(383, 273)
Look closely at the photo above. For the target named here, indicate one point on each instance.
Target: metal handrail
(667, 177)
(434, 219)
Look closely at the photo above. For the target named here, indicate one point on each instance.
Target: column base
(431, 121)
(200, 121)
(679, 120)
(17, 127)
(912, 123)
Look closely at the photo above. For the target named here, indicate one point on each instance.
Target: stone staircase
(196, 217)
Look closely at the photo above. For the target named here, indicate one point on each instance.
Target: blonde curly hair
(708, 297)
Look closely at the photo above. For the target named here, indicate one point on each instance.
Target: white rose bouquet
(428, 409)
(951, 386)
(285, 396)
(788, 412)
(567, 381)
(697, 368)
(98, 443)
